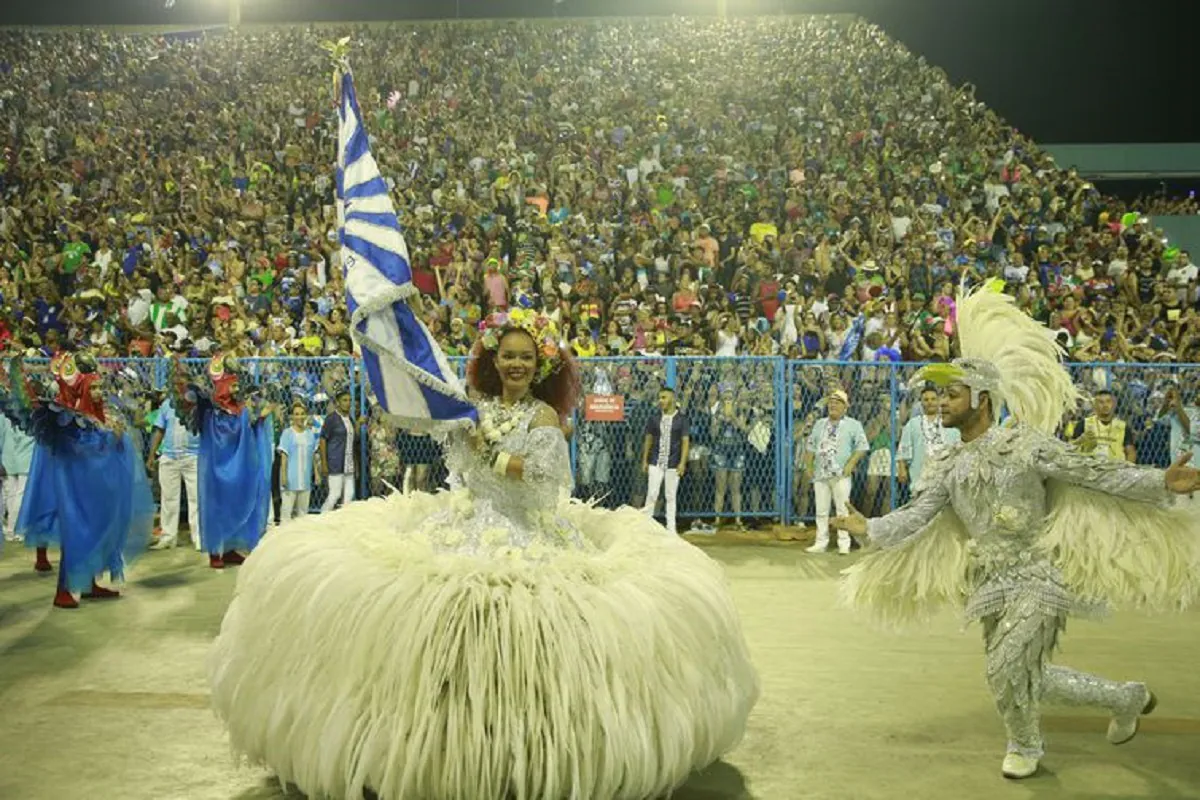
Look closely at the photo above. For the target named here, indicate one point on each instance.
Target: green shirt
(73, 253)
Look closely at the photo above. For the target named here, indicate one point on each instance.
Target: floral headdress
(540, 328)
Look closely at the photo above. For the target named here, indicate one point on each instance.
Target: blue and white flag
(409, 373)
(853, 338)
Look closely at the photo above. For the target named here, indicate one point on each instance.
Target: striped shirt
(177, 441)
(299, 448)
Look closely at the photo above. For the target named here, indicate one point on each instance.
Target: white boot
(822, 543)
(843, 543)
(1124, 726)
(1017, 766)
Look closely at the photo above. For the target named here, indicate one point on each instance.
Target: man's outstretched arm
(1055, 460)
(892, 529)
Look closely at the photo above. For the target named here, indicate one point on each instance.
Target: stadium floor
(110, 700)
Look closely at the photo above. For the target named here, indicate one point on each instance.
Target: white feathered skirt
(356, 656)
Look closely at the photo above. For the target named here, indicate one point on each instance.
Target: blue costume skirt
(88, 493)
(236, 457)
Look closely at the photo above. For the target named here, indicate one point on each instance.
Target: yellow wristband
(500, 465)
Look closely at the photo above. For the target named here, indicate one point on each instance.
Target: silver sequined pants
(1019, 642)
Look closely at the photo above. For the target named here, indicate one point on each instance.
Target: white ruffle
(355, 655)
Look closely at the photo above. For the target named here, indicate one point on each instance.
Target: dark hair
(670, 389)
(300, 404)
(560, 391)
(1103, 392)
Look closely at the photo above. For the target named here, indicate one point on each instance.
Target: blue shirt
(177, 441)
(16, 448)
(922, 439)
(1185, 442)
(833, 443)
(299, 449)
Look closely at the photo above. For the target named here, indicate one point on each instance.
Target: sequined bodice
(542, 449)
(995, 487)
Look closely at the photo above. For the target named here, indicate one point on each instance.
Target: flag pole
(339, 52)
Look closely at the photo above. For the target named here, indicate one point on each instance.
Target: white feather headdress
(1009, 355)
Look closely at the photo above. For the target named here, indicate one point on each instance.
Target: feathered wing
(127, 391)
(1124, 553)
(912, 581)
(908, 583)
(1036, 388)
(41, 419)
(190, 400)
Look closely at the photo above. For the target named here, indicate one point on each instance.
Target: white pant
(837, 490)
(14, 492)
(292, 504)
(339, 486)
(173, 473)
(657, 476)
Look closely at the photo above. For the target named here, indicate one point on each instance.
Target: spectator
(178, 451)
(16, 455)
(923, 438)
(336, 453)
(835, 447)
(1184, 420)
(1103, 432)
(665, 455)
(137, 220)
(297, 446)
(730, 447)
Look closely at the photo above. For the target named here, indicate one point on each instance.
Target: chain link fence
(750, 421)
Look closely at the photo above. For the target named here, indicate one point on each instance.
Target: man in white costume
(1028, 529)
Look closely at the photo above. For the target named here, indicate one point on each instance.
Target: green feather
(940, 374)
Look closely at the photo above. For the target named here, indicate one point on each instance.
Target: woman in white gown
(495, 641)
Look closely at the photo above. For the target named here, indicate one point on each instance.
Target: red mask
(84, 403)
(224, 394)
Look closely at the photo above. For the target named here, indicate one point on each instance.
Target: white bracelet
(500, 465)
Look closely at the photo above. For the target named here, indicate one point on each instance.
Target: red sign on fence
(604, 408)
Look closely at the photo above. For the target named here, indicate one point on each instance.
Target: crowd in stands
(749, 187)
(801, 186)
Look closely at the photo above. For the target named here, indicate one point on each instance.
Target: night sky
(1060, 70)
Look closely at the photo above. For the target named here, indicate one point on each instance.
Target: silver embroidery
(996, 485)
(498, 516)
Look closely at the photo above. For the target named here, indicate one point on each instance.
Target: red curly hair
(560, 391)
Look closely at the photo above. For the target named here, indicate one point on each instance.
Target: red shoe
(64, 599)
(234, 558)
(216, 562)
(42, 563)
(100, 593)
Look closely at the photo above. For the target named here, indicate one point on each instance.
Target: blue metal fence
(749, 418)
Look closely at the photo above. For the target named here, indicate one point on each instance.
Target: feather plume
(1033, 383)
